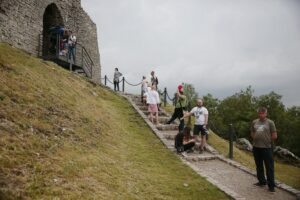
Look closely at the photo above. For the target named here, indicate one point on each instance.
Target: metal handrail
(87, 63)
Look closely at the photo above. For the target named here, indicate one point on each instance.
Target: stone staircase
(229, 176)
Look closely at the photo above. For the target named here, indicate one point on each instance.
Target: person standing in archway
(71, 46)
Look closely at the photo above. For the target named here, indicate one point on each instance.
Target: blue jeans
(71, 51)
(264, 156)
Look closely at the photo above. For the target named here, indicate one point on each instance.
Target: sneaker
(272, 189)
(180, 149)
(259, 184)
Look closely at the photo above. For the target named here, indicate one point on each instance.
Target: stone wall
(21, 25)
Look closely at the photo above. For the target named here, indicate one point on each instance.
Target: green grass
(286, 173)
(63, 137)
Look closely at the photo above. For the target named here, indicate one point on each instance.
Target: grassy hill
(63, 137)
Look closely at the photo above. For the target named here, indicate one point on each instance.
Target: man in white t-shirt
(201, 119)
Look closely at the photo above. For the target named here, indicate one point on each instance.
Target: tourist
(184, 141)
(71, 46)
(152, 101)
(144, 89)
(154, 79)
(117, 76)
(180, 106)
(263, 132)
(201, 120)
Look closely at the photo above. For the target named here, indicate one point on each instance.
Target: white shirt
(199, 114)
(72, 39)
(153, 97)
(145, 85)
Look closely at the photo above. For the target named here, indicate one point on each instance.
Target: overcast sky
(221, 47)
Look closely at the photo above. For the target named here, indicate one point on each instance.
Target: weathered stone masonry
(22, 22)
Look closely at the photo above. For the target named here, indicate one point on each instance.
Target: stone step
(199, 157)
(166, 127)
(160, 113)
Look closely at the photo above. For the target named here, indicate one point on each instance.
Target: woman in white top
(144, 89)
(152, 101)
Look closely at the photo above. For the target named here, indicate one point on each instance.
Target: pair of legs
(116, 85)
(71, 52)
(200, 129)
(153, 113)
(178, 113)
(264, 157)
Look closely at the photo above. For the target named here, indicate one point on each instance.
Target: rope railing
(132, 84)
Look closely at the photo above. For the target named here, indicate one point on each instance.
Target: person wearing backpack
(263, 133)
(184, 141)
(180, 106)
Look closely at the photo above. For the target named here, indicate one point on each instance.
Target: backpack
(156, 81)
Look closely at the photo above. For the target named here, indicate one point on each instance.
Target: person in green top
(180, 106)
(263, 132)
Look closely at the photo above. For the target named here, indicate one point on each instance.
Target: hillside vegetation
(63, 137)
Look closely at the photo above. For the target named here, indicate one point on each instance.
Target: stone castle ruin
(25, 24)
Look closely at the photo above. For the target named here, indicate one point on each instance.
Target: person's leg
(203, 142)
(156, 118)
(258, 158)
(115, 85)
(269, 165)
(196, 132)
(181, 121)
(188, 146)
(174, 116)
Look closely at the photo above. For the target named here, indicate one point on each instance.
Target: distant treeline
(240, 109)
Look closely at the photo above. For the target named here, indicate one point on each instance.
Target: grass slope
(63, 137)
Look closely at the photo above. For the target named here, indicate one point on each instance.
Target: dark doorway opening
(52, 19)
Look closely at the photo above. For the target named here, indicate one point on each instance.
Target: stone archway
(51, 18)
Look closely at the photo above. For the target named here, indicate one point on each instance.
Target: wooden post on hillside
(230, 141)
(123, 86)
(165, 97)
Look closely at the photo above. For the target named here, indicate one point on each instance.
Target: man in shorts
(201, 119)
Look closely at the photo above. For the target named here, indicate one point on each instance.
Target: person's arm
(273, 130)
(252, 131)
(274, 135)
(205, 119)
(187, 114)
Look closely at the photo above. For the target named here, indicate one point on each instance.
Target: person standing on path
(117, 76)
(201, 120)
(154, 79)
(180, 106)
(263, 132)
(152, 101)
(144, 89)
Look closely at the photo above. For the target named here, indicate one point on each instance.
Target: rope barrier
(109, 81)
(171, 99)
(132, 84)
